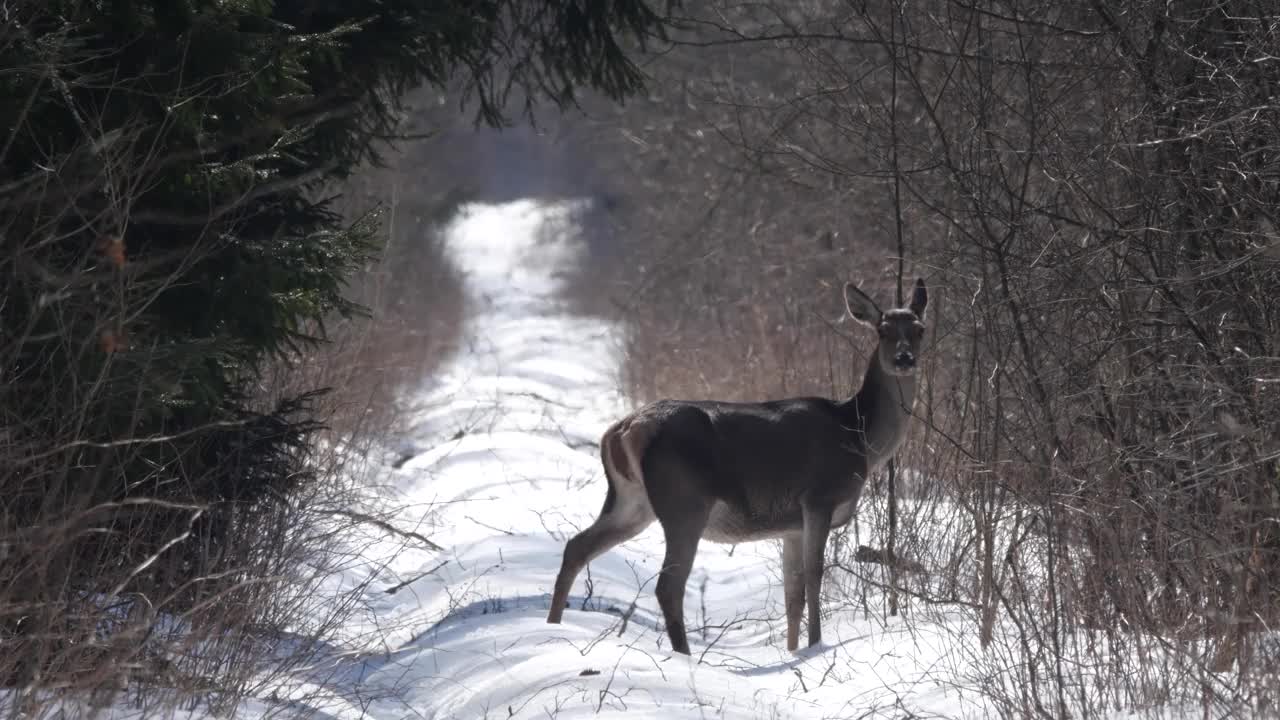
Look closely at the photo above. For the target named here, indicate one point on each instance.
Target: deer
(732, 472)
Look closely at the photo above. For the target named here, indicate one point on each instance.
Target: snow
(502, 468)
(506, 469)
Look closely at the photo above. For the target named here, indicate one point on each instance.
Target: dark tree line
(168, 230)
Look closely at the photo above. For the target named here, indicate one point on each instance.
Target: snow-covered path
(505, 470)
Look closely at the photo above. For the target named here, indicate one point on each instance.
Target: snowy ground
(500, 468)
(504, 469)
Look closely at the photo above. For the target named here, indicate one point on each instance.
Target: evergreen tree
(166, 230)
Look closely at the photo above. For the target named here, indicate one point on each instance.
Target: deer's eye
(917, 329)
(883, 329)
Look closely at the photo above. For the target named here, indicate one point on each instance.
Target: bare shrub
(412, 294)
(1092, 191)
(707, 244)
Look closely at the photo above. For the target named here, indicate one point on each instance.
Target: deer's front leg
(817, 526)
(793, 585)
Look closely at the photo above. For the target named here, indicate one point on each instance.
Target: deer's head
(901, 330)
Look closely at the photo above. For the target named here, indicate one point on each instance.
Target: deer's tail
(622, 449)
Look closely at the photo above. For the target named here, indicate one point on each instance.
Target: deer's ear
(919, 299)
(861, 308)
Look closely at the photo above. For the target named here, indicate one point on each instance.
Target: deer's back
(756, 460)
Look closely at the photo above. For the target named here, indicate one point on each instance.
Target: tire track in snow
(507, 469)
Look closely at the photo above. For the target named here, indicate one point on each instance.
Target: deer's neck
(881, 410)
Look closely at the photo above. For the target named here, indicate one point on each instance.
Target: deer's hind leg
(682, 534)
(621, 519)
(676, 482)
